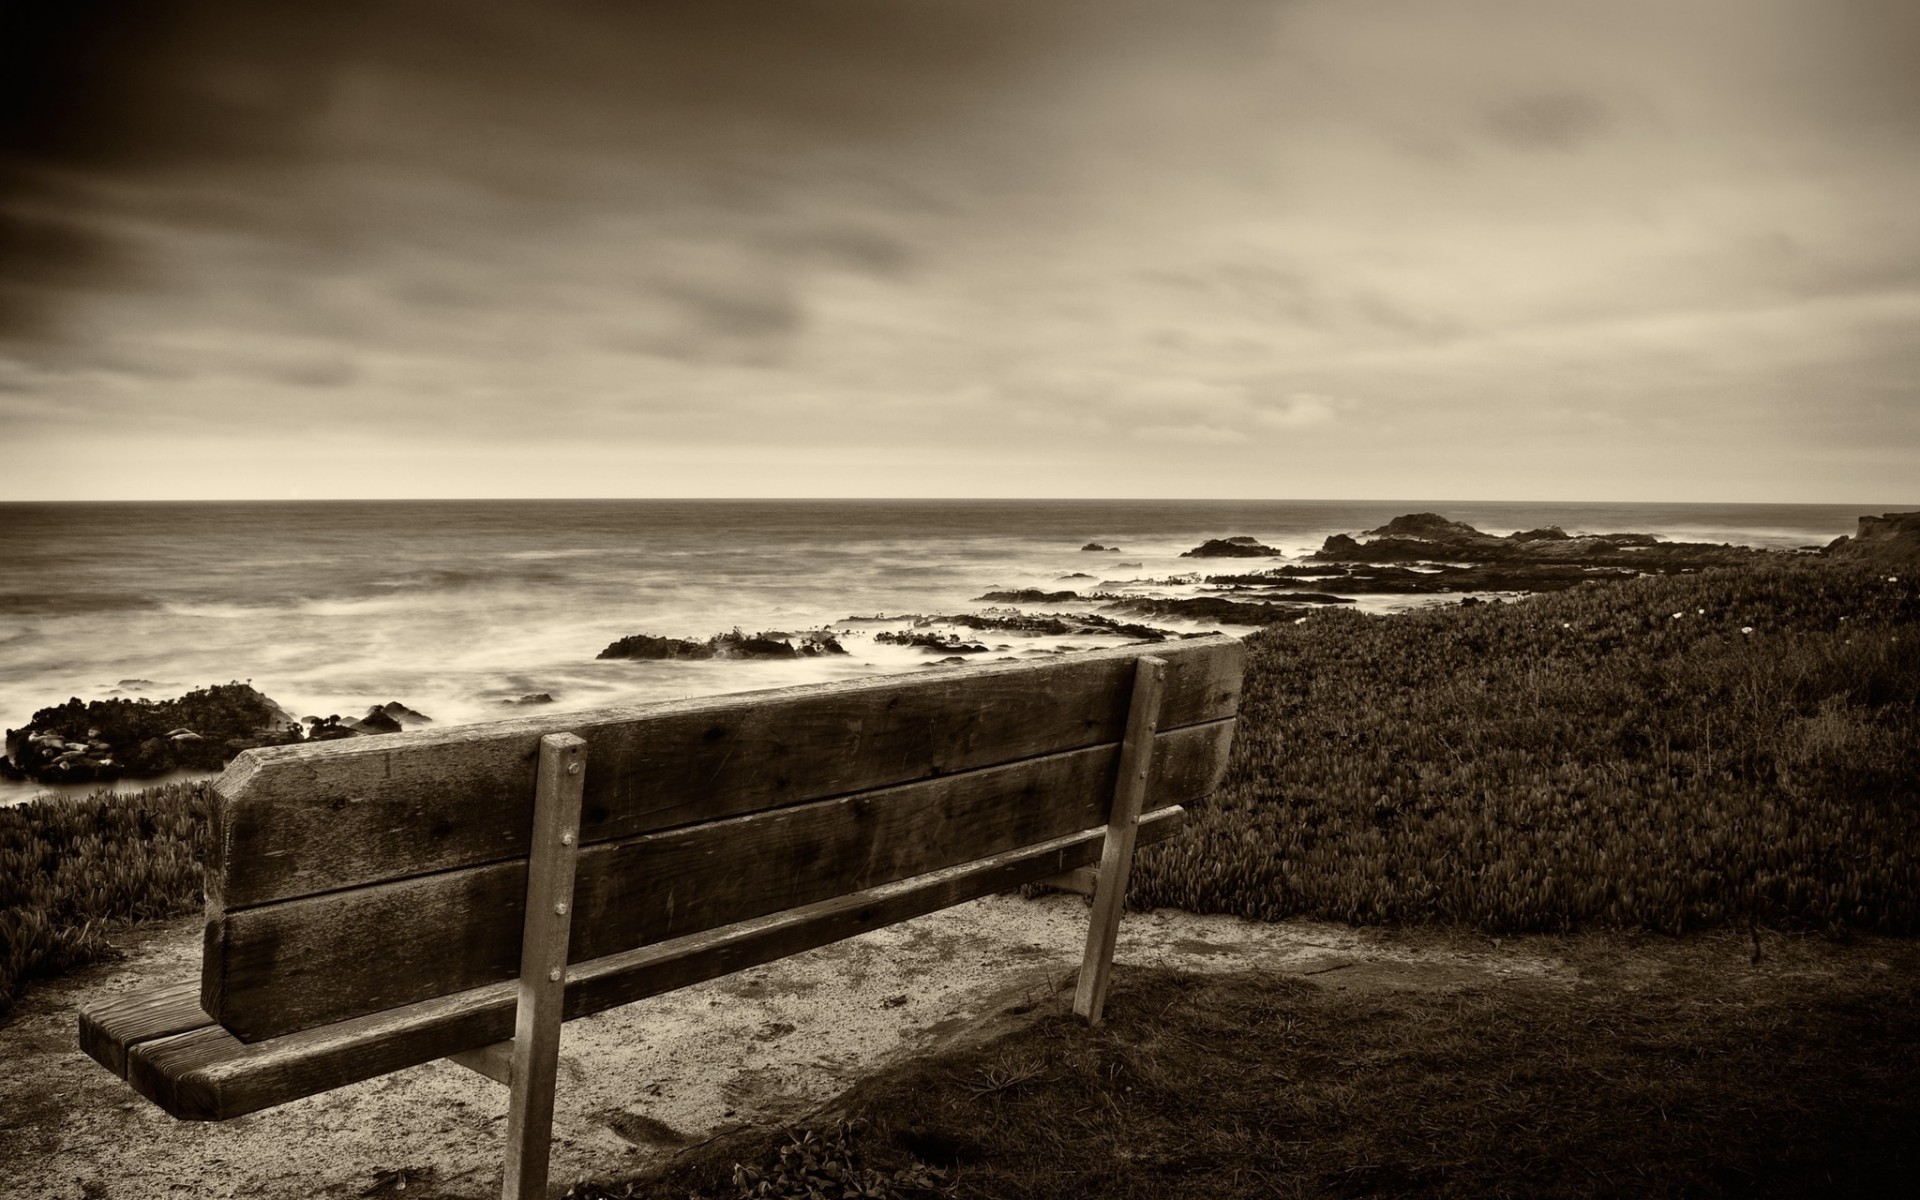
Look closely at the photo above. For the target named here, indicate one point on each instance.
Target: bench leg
(543, 965)
(1123, 827)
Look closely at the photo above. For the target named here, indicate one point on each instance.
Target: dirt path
(763, 1047)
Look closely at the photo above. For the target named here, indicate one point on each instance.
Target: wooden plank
(300, 820)
(209, 1075)
(321, 959)
(540, 994)
(107, 1029)
(1116, 855)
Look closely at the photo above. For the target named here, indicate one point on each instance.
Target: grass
(1668, 753)
(73, 868)
(1675, 1070)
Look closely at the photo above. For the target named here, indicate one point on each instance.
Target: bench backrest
(357, 876)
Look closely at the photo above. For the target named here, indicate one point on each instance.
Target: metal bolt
(554, 975)
(566, 839)
(573, 768)
(561, 908)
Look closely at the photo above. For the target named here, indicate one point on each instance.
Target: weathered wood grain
(275, 969)
(108, 1028)
(301, 820)
(541, 990)
(1116, 855)
(207, 1074)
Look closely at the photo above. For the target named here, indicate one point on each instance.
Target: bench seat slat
(109, 1028)
(206, 1073)
(317, 960)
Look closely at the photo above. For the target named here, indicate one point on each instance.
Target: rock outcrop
(734, 644)
(1040, 625)
(932, 643)
(1027, 596)
(1891, 538)
(102, 740)
(1214, 609)
(1432, 538)
(1233, 547)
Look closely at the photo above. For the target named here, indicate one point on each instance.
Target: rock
(724, 645)
(531, 698)
(405, 715)
(1427, 526)
(933, 643)
(1096, 546)
(1027, 596)
(1888, 538)
(330, 729)
(820, 642)
(1209, 608)
(117, 737)
(1233, 547)
(751, 645)
(1431, 538)
(1043, 625)
(646, 646)
(376, 721)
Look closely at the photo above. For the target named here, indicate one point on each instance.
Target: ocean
(456, 608)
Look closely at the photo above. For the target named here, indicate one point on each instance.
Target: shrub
(1667, 753)
(71, 868)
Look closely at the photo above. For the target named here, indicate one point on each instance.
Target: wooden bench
(377, 903)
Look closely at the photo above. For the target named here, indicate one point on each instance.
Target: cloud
(1302, 410)
(1192, 435)
(1168, 241)
(1547, 120)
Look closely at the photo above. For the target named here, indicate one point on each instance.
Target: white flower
(1746, 629)
(1678, 615)
(1566, 624)
(1703, 612)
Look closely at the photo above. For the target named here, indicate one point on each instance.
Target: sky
(1445, 249)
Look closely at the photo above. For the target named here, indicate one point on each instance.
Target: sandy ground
(765, 1046)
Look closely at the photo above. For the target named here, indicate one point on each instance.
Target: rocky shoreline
(101, 741)
(1422, 556)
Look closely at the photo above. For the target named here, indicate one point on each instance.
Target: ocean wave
(72, 603)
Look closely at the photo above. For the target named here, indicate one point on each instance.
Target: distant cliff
(1890, 538)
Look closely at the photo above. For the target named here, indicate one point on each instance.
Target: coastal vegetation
(1667, 753)
(74, 868)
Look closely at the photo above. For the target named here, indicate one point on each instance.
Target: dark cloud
(243, 118)
(1377, 237)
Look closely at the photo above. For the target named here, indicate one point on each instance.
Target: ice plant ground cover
(73, 868)
(1624, 755)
